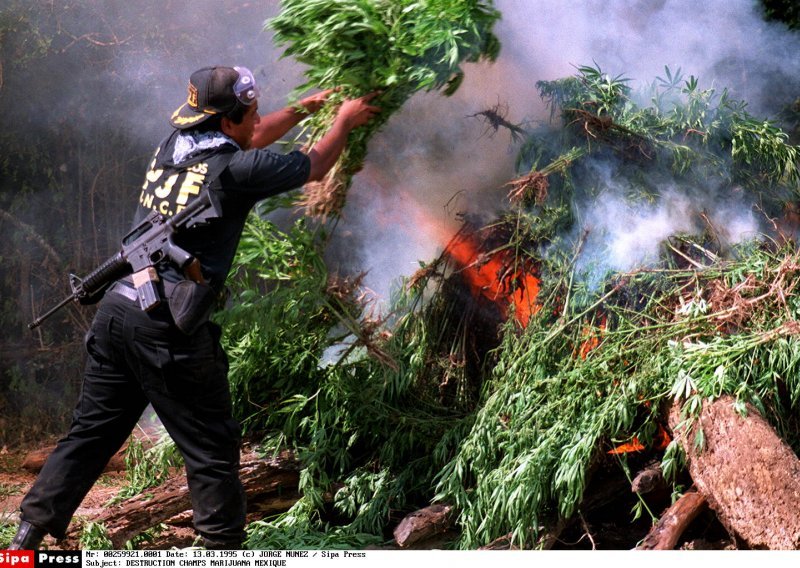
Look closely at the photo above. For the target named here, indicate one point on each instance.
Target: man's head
(224, 94)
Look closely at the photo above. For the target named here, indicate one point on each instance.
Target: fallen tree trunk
(423, 524)
(34, 460)
(750, 477)
(270, 485)
(667, 531)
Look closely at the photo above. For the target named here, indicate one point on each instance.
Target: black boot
(28, 537)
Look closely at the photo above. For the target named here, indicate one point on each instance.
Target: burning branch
(496, 275)
(495, 118)
(535, 184)
(423, 274)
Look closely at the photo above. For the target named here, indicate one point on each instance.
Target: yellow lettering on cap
(178, 120)
(192, 99)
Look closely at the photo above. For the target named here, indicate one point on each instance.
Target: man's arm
(352, 114)
(274, 125)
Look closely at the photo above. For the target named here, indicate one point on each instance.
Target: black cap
(210, 92)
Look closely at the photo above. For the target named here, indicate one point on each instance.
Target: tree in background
(786, 11)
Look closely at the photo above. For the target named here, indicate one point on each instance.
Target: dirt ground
(15, 481)
(608, 527)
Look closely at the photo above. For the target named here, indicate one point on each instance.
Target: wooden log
(262, 479)
(649, 479)
(423, 524)
(750, 477)
(502, 543)
(667, 531)
(545, 541)
(34, 460)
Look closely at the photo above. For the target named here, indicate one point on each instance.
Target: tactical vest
(168, 190)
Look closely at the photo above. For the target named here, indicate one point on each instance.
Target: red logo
(16, 559)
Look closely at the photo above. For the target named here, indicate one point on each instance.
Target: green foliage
(8, 528)
(95, 537)
(367, 45)
(368, 417)
(552, 408)
(279, 325)
(509, 438)
(395, 47)
(148, 467)
(300, 529)
(672, 133)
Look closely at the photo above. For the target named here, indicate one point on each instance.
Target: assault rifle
(142, 249)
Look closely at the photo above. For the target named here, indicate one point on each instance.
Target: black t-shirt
(188, 163)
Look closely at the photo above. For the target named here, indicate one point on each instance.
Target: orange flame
(660, 442)
(493, 276)
(592, 336)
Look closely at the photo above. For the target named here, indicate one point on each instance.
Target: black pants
(135, 358)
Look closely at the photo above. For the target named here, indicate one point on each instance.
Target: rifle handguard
(111, 270)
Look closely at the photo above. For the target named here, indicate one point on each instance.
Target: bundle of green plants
(554, 406)
(672, 129)
(607, 351)
(396, 47)
(8, 528)
(371, 432)
(279, 322)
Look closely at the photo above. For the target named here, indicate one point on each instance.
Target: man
(170, 356)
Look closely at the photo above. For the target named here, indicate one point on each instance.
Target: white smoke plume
(436, 157)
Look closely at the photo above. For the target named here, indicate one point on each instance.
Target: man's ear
(225, 125)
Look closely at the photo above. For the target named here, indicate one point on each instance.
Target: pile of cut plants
(521, 382)
(517, 425)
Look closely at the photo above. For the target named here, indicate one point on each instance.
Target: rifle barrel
(38, 321)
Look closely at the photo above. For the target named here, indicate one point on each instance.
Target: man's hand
(273, 126)
(357, 112)
(352, 114)
(313, 103)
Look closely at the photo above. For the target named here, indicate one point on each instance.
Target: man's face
(242, 133)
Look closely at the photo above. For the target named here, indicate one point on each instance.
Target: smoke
(726, 43)
(436, 157)
(622, 236)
